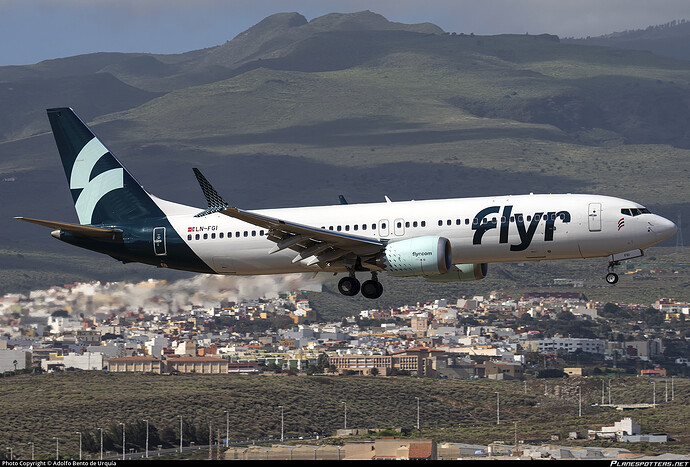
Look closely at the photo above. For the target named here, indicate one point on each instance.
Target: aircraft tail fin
(104, 192)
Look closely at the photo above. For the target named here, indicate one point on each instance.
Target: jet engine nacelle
(461, 273)
(421, 256)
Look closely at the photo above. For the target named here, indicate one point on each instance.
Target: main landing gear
(350, 286)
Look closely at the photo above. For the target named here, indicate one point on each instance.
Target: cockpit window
(634, 211)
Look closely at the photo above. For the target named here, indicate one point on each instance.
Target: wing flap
(306, 240)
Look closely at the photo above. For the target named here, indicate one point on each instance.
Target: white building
(570, 345)
(59, 324)
(11, 360)
(155, 345)
(87, 361)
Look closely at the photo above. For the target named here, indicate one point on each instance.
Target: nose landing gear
(616, 259)
(611, 277)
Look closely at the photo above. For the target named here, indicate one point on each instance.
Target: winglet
(342, 199)
(215, 201)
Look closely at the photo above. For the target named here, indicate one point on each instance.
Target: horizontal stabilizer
(83, 230)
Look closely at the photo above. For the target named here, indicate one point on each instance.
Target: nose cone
(664, 228)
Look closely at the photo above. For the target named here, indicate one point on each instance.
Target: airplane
(443, 240)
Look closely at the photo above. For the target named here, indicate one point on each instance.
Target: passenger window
(449, 222)
(399, 224)
(467, 222)
(407, 224)
(364, 227)
(330, 227)
(356, 226)
(220, 235)
(347, 228)
(383, 226)
(414, 224)
(423, 224)
(261, 233)
(440, 223)
(237, 234)
(189, 237)
(197, 236)
(253, 233)
(246, 234)
(529, 218)
(213, 236)
(205, 236)
(339, 228)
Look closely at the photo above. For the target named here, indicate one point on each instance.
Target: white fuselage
(480, 230)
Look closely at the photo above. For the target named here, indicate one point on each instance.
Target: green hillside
(292, 112)
(451, 410)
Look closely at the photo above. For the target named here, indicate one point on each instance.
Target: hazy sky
(35, 30)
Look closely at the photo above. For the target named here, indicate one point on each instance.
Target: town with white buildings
(153, 326)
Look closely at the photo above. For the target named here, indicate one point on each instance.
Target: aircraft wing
(319, 246)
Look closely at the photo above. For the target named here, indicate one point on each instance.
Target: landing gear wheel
(612, 278)
(348, 286)
(372, 289)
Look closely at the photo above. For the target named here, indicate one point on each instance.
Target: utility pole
(227, 428)
(123, 441)
(210, 442)
(345, 422)
(579, 392)
(32, 450)
(147, 438)
(498, 410)
(180, 433)
(79, 433)
(57, 447)
(609, 391)
(673, 394)
(666, 390)
(516, 443)
(417, 412)
(101, 442)
(282, 420)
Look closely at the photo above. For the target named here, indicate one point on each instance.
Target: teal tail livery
(443, 240)
(103, 190)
